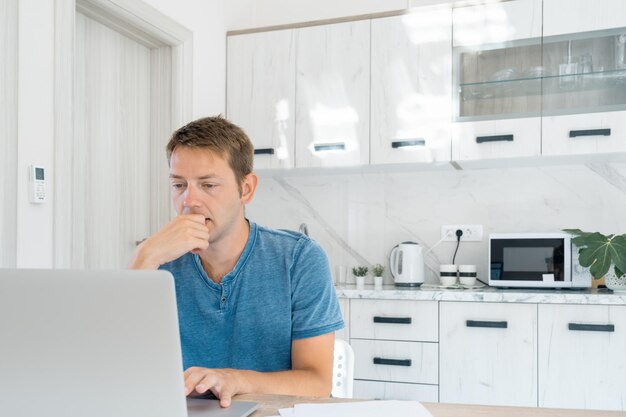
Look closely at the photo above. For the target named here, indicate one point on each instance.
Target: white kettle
(406, 263)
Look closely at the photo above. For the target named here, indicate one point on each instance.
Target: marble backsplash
(358, 217)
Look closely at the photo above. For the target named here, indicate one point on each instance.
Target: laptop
(77, 343)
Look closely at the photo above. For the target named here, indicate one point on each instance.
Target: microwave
(535, 260)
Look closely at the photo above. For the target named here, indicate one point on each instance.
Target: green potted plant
(360, 272)
(378, 270)
(604, 255)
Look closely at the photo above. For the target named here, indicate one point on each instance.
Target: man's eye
(208, 186)
(177, 186)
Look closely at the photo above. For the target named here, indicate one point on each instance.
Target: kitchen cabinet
(582, 364)
(344, 306)
(497, 103)
(395, 348)
(411, 97)
(261, 88)
(567, 86)
(584, 77)
(488, 353)
(332, 100)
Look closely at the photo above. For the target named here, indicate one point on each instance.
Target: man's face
(202, 182)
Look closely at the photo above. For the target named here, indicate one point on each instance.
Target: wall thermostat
(37, 184)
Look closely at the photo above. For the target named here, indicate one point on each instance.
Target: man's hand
(224, 383)
(183, 234)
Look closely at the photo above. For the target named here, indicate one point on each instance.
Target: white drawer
(395, 391)
(394, 320)
(396, 361)
(507, 138)
(584, 133)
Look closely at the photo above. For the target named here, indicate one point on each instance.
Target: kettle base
(408, 284)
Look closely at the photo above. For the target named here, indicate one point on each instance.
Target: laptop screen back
(89, 343)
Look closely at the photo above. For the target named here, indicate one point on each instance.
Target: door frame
(171, 51)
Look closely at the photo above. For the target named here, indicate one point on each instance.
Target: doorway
(130, 88)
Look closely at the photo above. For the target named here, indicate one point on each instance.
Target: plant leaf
(619, 257)
(598, 254)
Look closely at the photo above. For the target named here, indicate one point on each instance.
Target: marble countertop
(486, 294)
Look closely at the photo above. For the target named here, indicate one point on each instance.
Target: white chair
(343, 369)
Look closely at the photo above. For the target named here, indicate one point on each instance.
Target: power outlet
(471, 233)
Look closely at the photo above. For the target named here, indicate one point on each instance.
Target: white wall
(206, 19)
(8, 130)
(35, 129)
(359, 217)
(245, 14)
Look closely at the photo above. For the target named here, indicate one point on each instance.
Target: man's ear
(248, 187)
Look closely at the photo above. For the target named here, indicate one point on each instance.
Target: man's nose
(190, 197)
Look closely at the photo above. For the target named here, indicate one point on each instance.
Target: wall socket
(471, 232)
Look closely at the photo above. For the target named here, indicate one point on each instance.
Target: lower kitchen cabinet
(493, 353)
(488, 353)
(385, 360)
(396, 354)
(344, 306)
(381, 390)
(582, 361)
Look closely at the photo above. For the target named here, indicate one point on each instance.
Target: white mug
(447, 274)
(467, 274)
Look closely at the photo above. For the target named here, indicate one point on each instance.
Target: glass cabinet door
(499, 81)
(585, 72)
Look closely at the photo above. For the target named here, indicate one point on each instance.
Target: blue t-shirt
(280, 290)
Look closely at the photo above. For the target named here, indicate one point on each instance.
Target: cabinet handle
(592, 327)
(395, 320)
(408, 143)
(496, 138)
(589, 132)
(264, 151)
(490, 324)
(394, 362)
(339, 146)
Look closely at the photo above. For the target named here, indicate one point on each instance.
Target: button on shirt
(280, 290)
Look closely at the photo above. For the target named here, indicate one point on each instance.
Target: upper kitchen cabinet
(261, 88)
(497, 72)
(410, 88)
(584, 77)
(332, 101)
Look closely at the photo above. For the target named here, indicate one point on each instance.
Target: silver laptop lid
(89, 344)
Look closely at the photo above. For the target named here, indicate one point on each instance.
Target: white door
(261, 93)
(488, 353)
(111, 189)
(582, 362)
(332, 98)
(411, 97)
(8, 132)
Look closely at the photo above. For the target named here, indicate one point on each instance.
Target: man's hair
(218, 135)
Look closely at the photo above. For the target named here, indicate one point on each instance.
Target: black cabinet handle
(489, 324)
(394, 362)
(405, 143)
(264, 151)
(395, 320)
(496, 138)
(589, 132)
(339, 146)
(591, 327)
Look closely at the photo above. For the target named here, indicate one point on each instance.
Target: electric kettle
(406, 263)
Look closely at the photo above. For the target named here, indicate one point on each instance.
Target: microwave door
(529, 262)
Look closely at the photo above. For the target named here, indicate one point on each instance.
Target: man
(257, 309)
